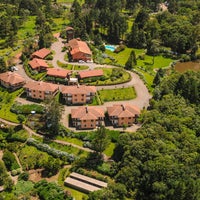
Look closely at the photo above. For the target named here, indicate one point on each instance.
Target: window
(92, 120)
(91, 125)
(129, 117)
(82, 99)
(122, 118)
(84, 120)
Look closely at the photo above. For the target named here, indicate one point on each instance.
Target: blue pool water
(110, 47)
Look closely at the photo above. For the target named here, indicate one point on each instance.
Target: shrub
(49, 57)
(10, 161)
(120, 48)
(54, 152)
(23, 176)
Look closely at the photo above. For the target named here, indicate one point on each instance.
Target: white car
(81, 61)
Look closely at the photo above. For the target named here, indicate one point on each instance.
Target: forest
(161, 161)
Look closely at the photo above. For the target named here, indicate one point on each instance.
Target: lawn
(6, 101)
(111, 76)
(110, 149)
(71, 67)
(27, 29)
(144, 66)
(71, 140)
(67, 148)
(118, 94)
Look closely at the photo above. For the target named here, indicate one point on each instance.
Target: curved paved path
(143, 96)
(142, 99)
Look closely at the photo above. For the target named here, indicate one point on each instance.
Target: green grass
(67, 148)
(59, 24)
(119, 94)
(31, 158)
(71, 140)
(111, 79)
(27, 28)
(23, 187)
(7, 99)
(75, 193)
(146, 67)
(71, 67)
(110, 149)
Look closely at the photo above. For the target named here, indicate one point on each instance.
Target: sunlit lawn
(117, 94)
(60, 23)
(75, 193)
(27, 28)
(71, 140)
(110, 149)
(6, 103)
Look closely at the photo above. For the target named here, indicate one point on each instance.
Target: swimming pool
(110, 47)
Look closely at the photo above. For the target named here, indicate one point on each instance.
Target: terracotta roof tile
(84, 113)
(62, 73)
(12, 78)
(91, 73)
(41, 86)
(80, 89)
(123, 110)
(42, 53)
(37, 63)
(79, 46)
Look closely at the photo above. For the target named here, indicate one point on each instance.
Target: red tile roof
(41, 86)
(79, 46)
(123, 110)
(11, 78)
(37, 63)
(80, 89)
(85, 113)
(42, 53)
(91, 73)
(57, 72)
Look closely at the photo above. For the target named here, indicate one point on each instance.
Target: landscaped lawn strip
(118, 94)
(71, 66)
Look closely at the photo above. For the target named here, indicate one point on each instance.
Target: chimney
(123, 107)
(86, 108)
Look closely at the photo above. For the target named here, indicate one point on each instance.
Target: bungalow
(40, 90)
(90, 73)
(87, 117)
(11, 80)
(79, 50)
(41, 54)
(38, 64)
(121, 115)
(78, 94)
(58, 73)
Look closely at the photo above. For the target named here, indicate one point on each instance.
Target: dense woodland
(161, 160)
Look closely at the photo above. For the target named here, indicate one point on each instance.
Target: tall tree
(100, 141)
(53, 115)
(131, 62)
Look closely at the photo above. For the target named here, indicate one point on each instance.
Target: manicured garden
(111, 76)
(71, 66)
(145, 65)
(118, 94)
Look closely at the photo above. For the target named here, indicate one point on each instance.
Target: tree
(153, 48)
(159, 75)
(2, 64)
(131, 62)
(53, 115)
(100, 141)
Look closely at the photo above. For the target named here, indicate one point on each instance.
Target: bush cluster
(120, 48)
(54, 152)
